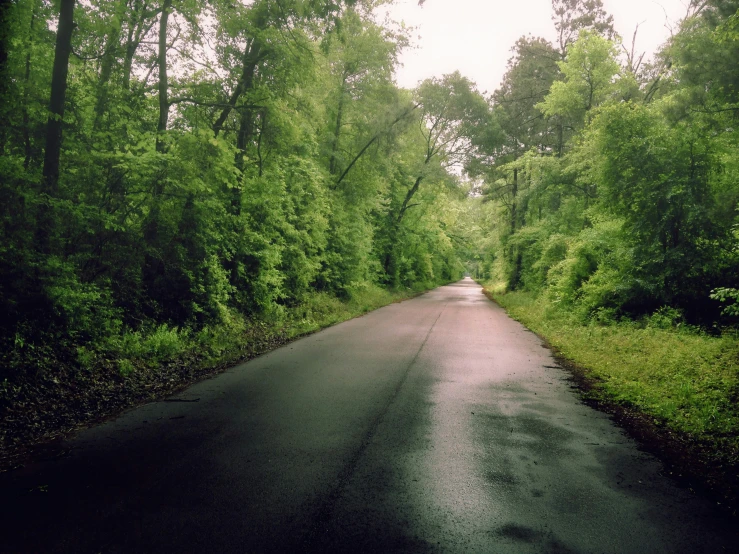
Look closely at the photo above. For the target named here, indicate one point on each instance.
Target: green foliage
(571, 17)
(665, 318)
(588, 78)
(727, 296)
(624, 201)
(263, 178)
(531, 73)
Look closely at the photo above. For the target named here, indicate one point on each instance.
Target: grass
(320, 310)
(234, 338)
(682, 379)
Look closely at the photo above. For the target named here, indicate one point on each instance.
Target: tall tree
(452, 117)
(58, 98)
(163, 86)
(531, 72)
(588, 73)
(572, 16)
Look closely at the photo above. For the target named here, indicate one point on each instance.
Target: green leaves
(588, 72)
(728, 296)
(628, 199)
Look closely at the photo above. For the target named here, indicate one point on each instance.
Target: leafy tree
(570, 17)
(588, 76)
(451, 118)
(657, 179)
(531, 73)
(58, 95)
(639, 210)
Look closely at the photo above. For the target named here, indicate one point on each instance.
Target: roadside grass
(320, 310)
(88, 385)
(681, 379)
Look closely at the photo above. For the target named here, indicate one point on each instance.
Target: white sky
(475, 36)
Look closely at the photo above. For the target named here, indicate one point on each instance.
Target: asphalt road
(434, 425)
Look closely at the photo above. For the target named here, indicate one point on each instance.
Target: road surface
(434, 425)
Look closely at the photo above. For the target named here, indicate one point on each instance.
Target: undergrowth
(91, 382)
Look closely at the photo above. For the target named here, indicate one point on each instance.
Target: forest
(614, 180)
(179, 177)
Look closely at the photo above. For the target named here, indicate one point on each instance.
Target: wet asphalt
(434, 425)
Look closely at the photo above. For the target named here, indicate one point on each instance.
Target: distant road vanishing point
(434, 425)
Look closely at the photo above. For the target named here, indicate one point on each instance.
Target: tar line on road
(323, 516)
(434, 425)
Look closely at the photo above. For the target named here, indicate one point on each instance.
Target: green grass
(683, 379)
(321, 310)
(235, 338)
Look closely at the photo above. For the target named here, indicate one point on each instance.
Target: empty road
(434, 425)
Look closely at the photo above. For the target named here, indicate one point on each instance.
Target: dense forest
(173, 171)
(614, 189)
(172, 167)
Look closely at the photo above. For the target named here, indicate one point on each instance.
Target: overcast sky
(475, 36)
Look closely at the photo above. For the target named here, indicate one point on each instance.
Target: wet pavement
(434, 425)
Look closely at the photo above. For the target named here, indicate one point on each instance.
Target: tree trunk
(26, 86)
(58, 96)
(411, 192)
(5, 7)
(106, 66)
(262, 130)
(252, 56)
(337, 130)
(163, 83)
(514, 206)
(246, 124)
(560, 137)
(246, 131)
(514, 254)
(136, 31)
(128, 58)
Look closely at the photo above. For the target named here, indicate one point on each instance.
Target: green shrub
(665, 318)
(125, 367)
(164, 342)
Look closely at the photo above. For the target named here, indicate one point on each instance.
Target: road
(434, 425)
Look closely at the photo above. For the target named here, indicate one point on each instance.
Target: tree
(702, 54)
(573, 16)
(657, 178)
(531, 72)
(58, 98)
(362, 62)
(453, 114)
(588, 79)
(451, 122)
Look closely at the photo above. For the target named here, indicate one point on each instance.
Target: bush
(665, 318)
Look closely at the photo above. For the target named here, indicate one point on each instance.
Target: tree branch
(372, 141)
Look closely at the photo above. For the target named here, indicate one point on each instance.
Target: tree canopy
(615, 193)
(175, 164)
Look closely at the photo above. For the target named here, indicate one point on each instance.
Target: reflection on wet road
(435, 425)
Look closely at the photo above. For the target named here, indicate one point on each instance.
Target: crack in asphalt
(326, 509)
